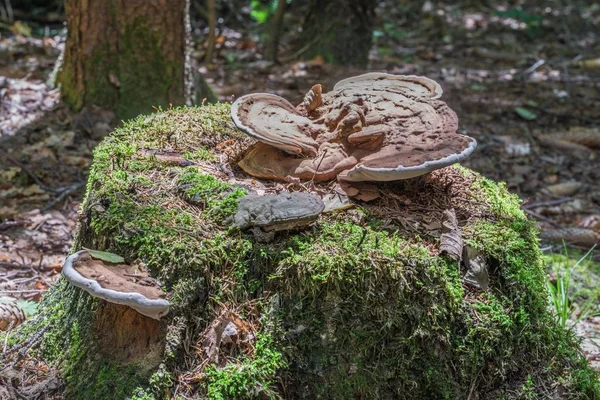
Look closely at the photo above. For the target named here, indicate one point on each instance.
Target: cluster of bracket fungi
(371, 127)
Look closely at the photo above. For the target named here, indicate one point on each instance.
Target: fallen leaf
(451, 242)
(477, 268)
(525, 113)
(105, 256)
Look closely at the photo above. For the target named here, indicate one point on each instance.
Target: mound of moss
(358, 305)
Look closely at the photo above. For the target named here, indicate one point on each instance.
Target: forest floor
(526, 85)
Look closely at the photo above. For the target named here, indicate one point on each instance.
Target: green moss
(355, 306)
(217, 199)
(251, 377)
(201, 155)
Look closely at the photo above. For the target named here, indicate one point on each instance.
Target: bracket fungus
(277, 212)
(371, 127)
(128, 285)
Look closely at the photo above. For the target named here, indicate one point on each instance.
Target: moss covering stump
(360, 304)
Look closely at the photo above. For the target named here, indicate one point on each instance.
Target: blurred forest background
(523, 77)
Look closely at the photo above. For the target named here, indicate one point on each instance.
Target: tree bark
(273, 50)
(340, 31)
(127, 55)
(212, 30)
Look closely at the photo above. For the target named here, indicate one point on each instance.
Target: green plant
(560, 295)
(261, 11)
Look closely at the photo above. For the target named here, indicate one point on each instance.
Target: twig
(550, 203)
(319, 165)
(33, 176)
(541, 217)
(535, 66)
(11, 264)
(362, 239)
(6, 225)
(8, 332)
(62, 192)
(24, 291)
(66, 191)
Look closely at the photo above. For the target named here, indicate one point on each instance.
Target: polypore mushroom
(372, 127)
(274, 121)
(409, 85)
(123, 284)
(277, 212)
(267, 162)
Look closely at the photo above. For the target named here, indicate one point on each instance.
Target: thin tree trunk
(212, 28)
(273, 50)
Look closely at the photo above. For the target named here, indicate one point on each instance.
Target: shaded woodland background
(523, 77)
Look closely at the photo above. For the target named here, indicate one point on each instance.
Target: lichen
(346, 307)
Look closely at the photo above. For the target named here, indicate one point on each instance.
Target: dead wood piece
(578, 236)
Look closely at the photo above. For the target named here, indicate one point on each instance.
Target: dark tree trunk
(128, 55)
(276, 21)
(340, 31)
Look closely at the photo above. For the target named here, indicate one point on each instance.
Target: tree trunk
(340, 31)
(127, 55)
(276, 21)
(211, 8)
(359, 304)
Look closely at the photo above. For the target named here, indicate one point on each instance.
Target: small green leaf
(477, 87)
(106, 256)
(525, 113)
(532, 103)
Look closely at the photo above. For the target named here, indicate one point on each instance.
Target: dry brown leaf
(590, 222)
(11, 315)
(477, 268)
(451, 242)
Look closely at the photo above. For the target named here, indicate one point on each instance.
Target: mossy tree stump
(358, 305)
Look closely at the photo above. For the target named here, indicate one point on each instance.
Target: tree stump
(358, 304)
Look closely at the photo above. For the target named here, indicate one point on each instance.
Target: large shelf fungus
(371, 127)
(123, 284)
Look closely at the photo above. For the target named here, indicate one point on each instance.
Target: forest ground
(523, 83)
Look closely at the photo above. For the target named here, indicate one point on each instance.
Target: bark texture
(340, 31)
(127, 55)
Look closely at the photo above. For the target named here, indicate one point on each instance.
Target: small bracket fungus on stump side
(277, 212)
(115, 284)
(371, 127)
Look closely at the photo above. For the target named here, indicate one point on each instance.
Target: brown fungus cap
(371, 127)
(123, 284)
(274, 121)
(409, 85)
